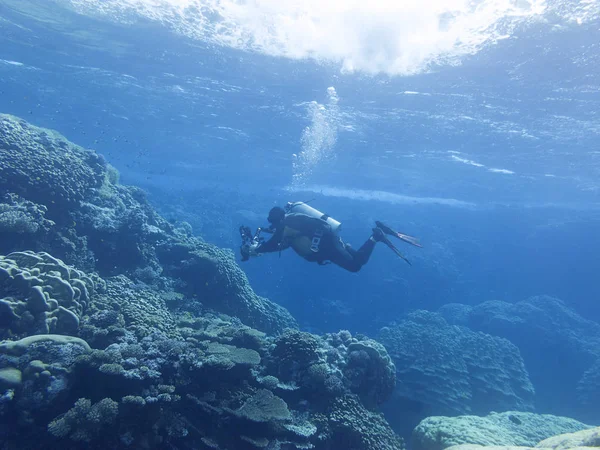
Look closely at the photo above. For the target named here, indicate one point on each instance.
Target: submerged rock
(583, 438)
(510, 428)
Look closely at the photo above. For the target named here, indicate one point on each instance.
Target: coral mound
(65, 200)
(445, 369)
(451, 369)
(44, 167)
(553, 339)
(41, 294)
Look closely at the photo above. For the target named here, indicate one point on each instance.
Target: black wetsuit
(298, 231)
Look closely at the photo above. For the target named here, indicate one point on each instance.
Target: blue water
(211, 131)
(492, 163)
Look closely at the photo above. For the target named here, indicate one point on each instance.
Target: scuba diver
(314, 236)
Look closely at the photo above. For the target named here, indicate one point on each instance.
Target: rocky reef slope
(59, 198)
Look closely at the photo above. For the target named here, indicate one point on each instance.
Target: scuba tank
(303, 208)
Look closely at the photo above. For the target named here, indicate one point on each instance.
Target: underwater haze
(472, 125)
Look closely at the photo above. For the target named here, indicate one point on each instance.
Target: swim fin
(387, 242)
(404, 237)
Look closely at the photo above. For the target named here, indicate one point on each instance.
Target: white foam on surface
(376, 36)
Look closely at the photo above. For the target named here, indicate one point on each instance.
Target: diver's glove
(252, 248)
(249, 250)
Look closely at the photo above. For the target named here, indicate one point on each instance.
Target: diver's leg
(336, 252)
(348, 258)
(362, 255)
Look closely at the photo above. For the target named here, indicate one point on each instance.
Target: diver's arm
(272, 245)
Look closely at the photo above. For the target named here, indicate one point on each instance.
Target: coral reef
(143, 310)
(45, 168)
(84, 422)
(198, 386)
(371, 372)
(122, 331)
(22, 217)
(444, 369)
(335, 364)
(511, 428)
(552, 339)
(40, 294)
(38, 367)
(353, 427)
(80, 214)
(212, 275)
(588, 388)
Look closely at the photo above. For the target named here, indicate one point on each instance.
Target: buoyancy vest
(304, 233)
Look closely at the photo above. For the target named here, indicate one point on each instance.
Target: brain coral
(40, 294)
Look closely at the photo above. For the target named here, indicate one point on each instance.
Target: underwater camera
(248, 238)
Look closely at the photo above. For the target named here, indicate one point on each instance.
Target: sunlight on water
(319, 138)
(380, 36)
